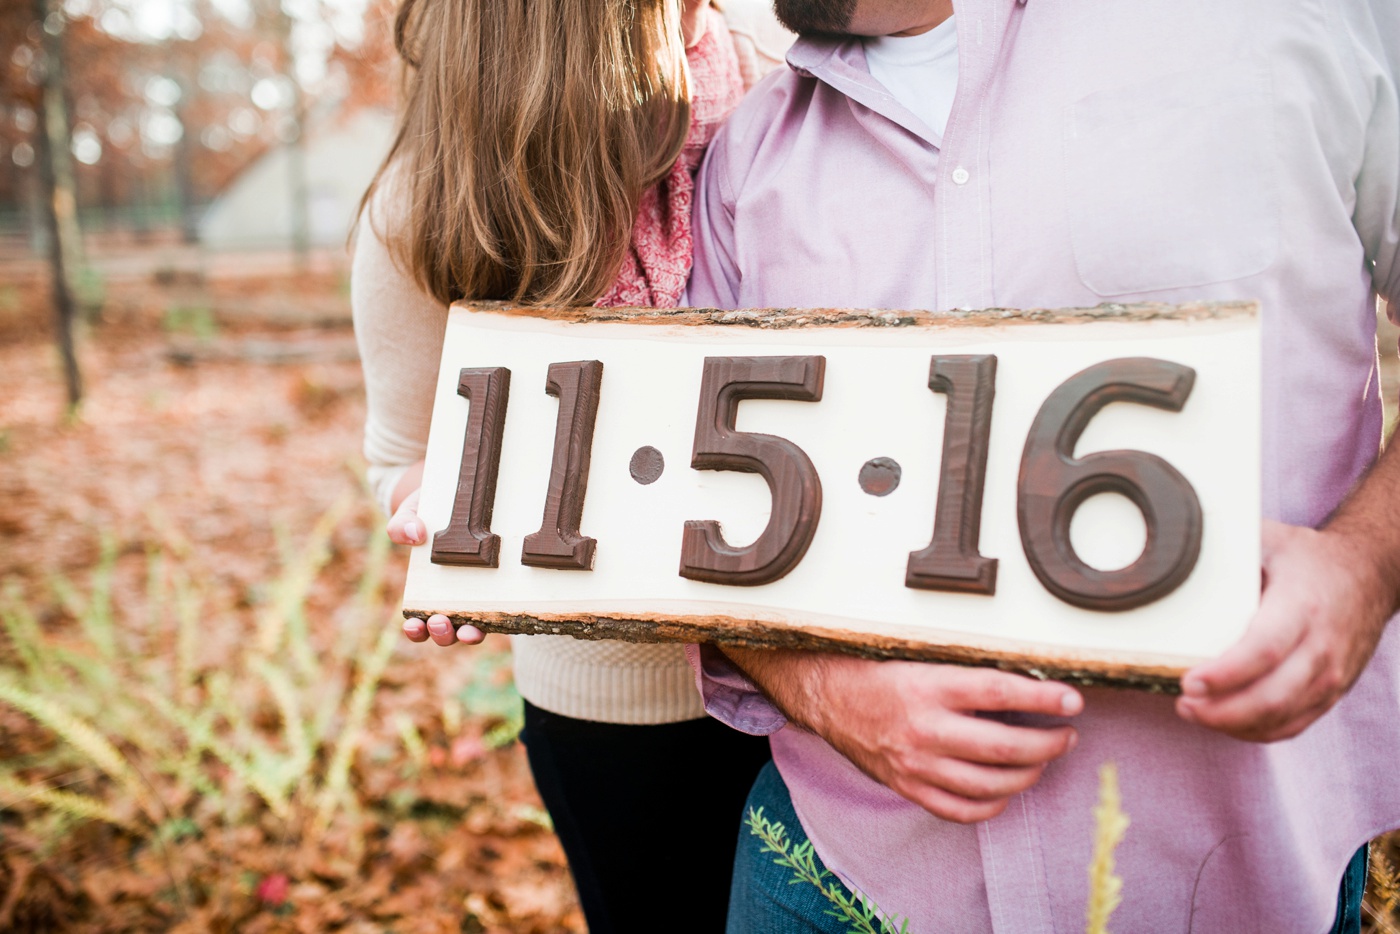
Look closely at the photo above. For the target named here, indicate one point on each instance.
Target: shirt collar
(839, 61)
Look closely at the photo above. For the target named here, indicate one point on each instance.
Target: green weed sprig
(863, 915)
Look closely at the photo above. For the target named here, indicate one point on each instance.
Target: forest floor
(187, 566)
(207, 720)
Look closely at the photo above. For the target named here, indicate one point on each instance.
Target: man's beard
(808, 16)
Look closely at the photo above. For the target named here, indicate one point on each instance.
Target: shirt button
(960, 176)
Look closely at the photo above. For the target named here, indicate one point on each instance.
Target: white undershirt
(920, 71)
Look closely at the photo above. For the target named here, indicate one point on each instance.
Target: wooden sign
(1071, 493)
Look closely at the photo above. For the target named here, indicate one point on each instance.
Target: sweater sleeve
(399, 329)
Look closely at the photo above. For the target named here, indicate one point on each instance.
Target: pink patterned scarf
(658, 261)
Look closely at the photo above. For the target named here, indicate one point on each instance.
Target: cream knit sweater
(399, 329)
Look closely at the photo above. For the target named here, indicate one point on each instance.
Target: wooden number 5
(792, 480)
(1053, 484)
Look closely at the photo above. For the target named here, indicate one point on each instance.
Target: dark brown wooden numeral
(558, 543)
(951, 560)
(1053, 484)
(468, 539)
(792, 480)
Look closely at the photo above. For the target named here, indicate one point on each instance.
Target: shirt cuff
(728, 694)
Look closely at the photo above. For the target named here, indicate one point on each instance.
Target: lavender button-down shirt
(1103, 151)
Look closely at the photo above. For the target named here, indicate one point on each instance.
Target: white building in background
(341, 156)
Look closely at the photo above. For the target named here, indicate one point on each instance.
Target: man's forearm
(1367, 524)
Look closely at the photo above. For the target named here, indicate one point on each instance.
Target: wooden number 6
(792, 480)
(1053, 484)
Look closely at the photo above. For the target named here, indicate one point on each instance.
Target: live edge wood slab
(959, 548)
(1155, 676)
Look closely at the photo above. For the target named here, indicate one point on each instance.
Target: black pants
(648, 815)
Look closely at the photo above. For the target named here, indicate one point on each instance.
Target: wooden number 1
(468, 539)
(558, 543)
(792, 480)
(951, 560)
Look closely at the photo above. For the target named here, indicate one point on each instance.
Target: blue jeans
(761, 900)
(1349, 898)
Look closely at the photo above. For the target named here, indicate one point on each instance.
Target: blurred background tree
(171, 103)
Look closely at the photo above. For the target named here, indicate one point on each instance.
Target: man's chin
(815, 16)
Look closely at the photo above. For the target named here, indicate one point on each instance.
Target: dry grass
(1110, 826)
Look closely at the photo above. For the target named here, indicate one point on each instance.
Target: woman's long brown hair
(530, 130)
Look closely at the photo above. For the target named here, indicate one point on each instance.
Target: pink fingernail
(1073, 741)
(1193, 687)
(410, 531)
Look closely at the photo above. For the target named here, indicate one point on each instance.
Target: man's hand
(913, 726)
(1325, 604)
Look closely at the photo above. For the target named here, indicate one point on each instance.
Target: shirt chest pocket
(1172, 184)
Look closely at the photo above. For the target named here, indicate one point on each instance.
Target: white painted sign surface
(849, 588)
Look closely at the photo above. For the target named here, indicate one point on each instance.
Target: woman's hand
(405, 528)
(693, 21)
(439, 628)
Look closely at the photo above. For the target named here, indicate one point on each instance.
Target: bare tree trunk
(295, 142)
(275, 19)
(296, 168)
(58, 201)
(297, 154)
(180, 69)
